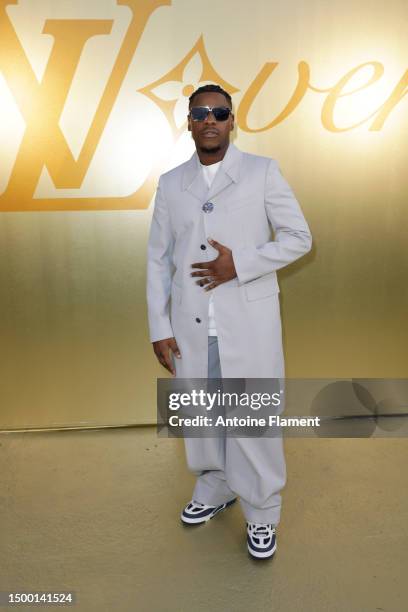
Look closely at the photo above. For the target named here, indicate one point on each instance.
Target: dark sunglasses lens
(221, 113)
(199, 113)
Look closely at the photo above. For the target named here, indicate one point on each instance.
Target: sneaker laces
(200, 505)
(260, 529)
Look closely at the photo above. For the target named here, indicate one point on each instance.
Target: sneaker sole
(192, 521)
(262, 555)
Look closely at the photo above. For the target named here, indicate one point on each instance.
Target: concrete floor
(97, 512)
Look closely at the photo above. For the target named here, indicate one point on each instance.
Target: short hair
(210, 88)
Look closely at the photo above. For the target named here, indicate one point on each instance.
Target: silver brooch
(208, 207)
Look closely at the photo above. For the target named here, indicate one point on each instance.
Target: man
(213, 301)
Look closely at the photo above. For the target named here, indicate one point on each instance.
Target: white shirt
(209, 174)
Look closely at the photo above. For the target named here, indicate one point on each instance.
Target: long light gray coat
(250, 197)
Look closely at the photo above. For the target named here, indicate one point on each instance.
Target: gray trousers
(252, 469)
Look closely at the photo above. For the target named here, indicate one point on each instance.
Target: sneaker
(195, 513)
(261, 540)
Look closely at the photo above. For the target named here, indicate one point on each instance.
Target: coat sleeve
(292, 235)
(159, 269)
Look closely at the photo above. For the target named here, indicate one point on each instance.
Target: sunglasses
(199, 113)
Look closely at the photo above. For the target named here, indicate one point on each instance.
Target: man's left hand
(217, 271)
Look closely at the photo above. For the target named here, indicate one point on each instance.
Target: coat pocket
(256, 290)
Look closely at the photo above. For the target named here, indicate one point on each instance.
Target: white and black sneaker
(195, 512)
(261, 539)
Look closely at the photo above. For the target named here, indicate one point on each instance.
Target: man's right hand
(162, 350)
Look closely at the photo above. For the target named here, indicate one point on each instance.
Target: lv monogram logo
(41, 105)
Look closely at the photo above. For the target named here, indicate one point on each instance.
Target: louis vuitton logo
(41, 104)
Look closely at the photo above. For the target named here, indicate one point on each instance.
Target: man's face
(211, 135)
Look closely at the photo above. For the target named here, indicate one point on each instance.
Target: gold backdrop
(93, 99)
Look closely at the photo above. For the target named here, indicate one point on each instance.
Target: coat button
(198, 320)
(203, 247)
(208, 207)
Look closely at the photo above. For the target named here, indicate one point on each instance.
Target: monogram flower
(182, 90)
(171, 92)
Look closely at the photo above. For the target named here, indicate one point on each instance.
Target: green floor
(97, 512)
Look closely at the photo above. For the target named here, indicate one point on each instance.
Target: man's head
(210, 136)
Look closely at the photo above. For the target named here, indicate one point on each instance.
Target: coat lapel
(193, 179)
(228, 172)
